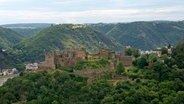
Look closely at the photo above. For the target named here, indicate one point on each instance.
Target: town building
(158, 51)
(31, 67)
(6, 72)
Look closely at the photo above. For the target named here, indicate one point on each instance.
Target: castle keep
(70, 57)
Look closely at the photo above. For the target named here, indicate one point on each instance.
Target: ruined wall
(126, 60)
(49, 62)
(104, 53)
(112, 55)
(91, 73)
(107, 53)
(70, 57)
(80, 54)
(91, 56)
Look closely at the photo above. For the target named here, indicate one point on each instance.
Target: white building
(32, 67)
(3, 50)
(9, 71)
(142, 52)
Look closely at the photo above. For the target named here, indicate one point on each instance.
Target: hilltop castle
(70, 57)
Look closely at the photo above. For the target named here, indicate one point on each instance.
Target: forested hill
(9, 60)
(103, 27)
(144, 35)
(27, 29)
(64, 36)
(8, 38)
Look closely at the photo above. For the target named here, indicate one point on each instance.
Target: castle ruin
(70, 57)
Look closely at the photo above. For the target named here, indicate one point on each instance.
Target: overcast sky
(89, 11)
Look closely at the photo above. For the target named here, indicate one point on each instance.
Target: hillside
(5, 60)
(8, 38)
(27, 29)
(144, 35)
(178, 54)
(10, 60)
(63, 36)
(102, 27)
(27, 32)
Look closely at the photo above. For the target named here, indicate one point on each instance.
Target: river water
(3, 79)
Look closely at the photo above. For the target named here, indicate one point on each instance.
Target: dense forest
(151, 80)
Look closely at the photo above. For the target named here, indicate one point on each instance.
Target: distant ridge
(46, 37)
(8, 38)
(144, 35)
(27, 25)
(27, 29)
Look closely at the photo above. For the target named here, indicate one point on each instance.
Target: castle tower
(49, 62)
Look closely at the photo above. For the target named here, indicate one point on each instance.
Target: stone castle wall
(72, 56)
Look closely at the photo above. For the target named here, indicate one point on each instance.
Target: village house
(6, 72)
(76, 26)
(3, 50)
(158, 51)
(31, 67)
(143, 52)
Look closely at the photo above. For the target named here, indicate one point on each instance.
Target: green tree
(164, 51)
(132, 52)
(55, 102)
(128, 51)
(178, 55)
(142, 62)
(136, 52)
(179, 98)
(120, 68)
(152, 58)
(107, 100)
(161, 70)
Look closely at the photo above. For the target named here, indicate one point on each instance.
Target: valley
(94, 64)
(91, 52)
